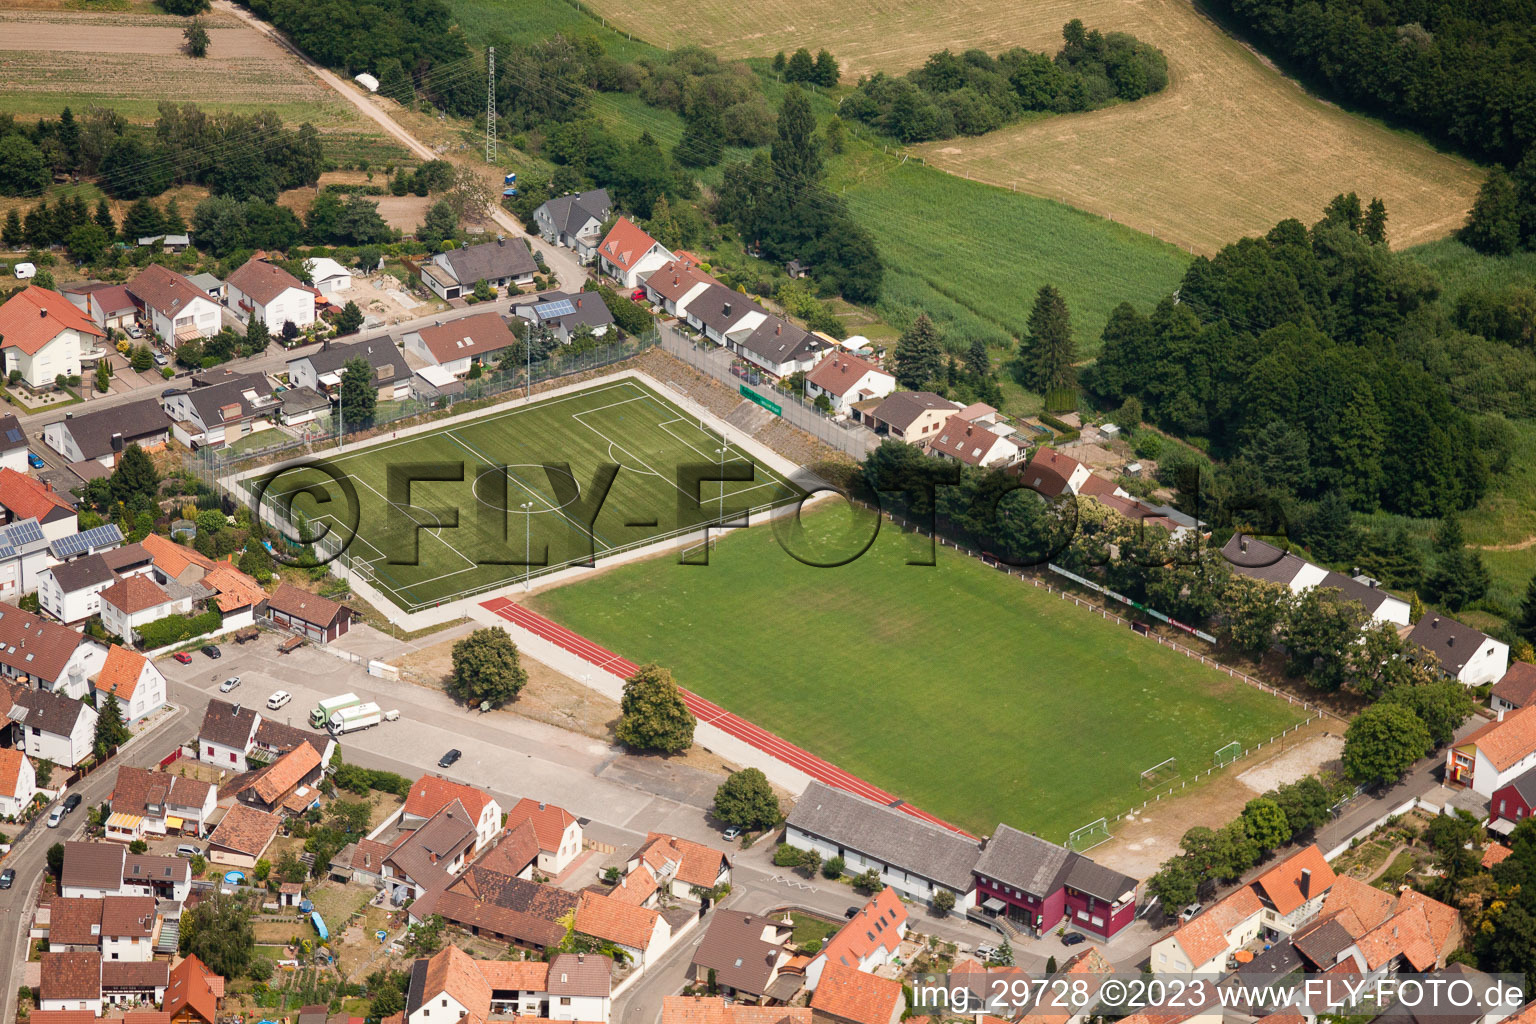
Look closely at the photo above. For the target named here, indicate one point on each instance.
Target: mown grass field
(968, 692)
(1229, 148)
(476, 527)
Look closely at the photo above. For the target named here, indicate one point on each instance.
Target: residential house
(44, 336)
(133, 680)
(504, 263)
(321, 371)
(222, 411)
(71, 591)
(18, 782)
(108, 305)
(22, 497)
(23, 558)
(173, 307)
(13, 444)
(639, 931)
(308, 615)
(1280, 901)
(718, 312)
(227, 735)
(911, 416)
(120, 928)
(681, 866)
(563, 313)
(845, 379)
(70, 981)
(1255, 558)
(1042, 886)
(675, 284)
(108, 869)
(1515, 689)
(716, 1010)
(132, 601)
(1512, 802)
(238, 597)
(571, 987)
(36, 650)
(148, 803)
(284, 787)
(867, 942)
(557, 830)
(56, 727)
(1469, 656)
(974, 444)
(913, 856)
(101, 437)
(777, 346)
(99, 540)
(1495, 754)
(574, 221)
(430, 794)
(1051, 474)
(242, 836)
(742, 956)
(263, 291)
(194, 993)
(459, 344)
(329, 277)
(428, 858)
(627, 253)
(495, 904)
(849, 996)
(1389, 933)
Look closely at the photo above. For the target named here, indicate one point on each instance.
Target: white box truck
(363, 716)
(320, 717)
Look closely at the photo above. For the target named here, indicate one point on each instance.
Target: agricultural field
(968, 692)
(130, 60)
(510, 491)
(1229, 148)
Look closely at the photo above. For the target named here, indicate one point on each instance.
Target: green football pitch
(969, 692)
(463, 509)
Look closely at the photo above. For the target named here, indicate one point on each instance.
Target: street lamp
(527, 546)
(721, 452)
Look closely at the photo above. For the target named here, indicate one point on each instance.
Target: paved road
(28, 857)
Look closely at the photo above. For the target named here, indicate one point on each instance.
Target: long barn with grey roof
(915, 857)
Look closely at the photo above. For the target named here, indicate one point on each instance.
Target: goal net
(1227, 754)
(1160, 774)
(1089, 836)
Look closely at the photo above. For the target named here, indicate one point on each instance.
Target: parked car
(851, 913)
(56, 817)
(71, 802)
(1189, 912)
(135, 331)
(449, 759)
(228, 684)
(183, 657)
(212, 650)
(188, 850)
(35, 460)
(1073, 938)
(637, 295)
(278, 699)
(161, 359)
(7, 878)
(982, 953)
(733, 832)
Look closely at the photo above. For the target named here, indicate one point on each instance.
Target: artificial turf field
(504, 457)
(968, 692)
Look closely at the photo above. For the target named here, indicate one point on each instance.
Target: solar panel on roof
(550, 310)
(76, 543)
(24, 531)
(14, 436)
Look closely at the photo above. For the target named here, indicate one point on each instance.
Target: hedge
(1064, 432)
(176, 628)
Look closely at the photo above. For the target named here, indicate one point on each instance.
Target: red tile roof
(625, 244)
(1205, 937)
(605, 918)
(430, 794)
(120, 673)
(28, 498)
(852, 995)
(245, 830)
(35, 316)
(286, 772)
(194, 989)
(676, 278)
(1504, 743)
(1048, 472)
(11, 761)
(1518, 686)
(878, 923)
(714, 1010)
(467, 336)
(697, 864)
(549, 821)
(172, 558)
(264, 281)
(71, 976)
(1283, 883)
(133, 594)
(236, 589)
(164, 290)
(838, 373)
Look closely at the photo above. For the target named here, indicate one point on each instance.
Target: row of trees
(1503, 217)
(801, 68)
(223, 225)
(61, 224)
(975, 93)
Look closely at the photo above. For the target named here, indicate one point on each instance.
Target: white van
(25, 271)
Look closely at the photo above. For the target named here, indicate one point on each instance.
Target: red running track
(706, 711)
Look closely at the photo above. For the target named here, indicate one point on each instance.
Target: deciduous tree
(746, 799)
(1382, 743)
(487, 667)
(218, 932)
(654, 717)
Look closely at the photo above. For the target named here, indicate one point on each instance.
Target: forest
(974, 93)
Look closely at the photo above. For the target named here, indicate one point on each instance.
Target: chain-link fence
(707, 357)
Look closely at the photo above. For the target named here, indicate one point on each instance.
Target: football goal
(1160, 774)
(1227, 754)
(1089, 836)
